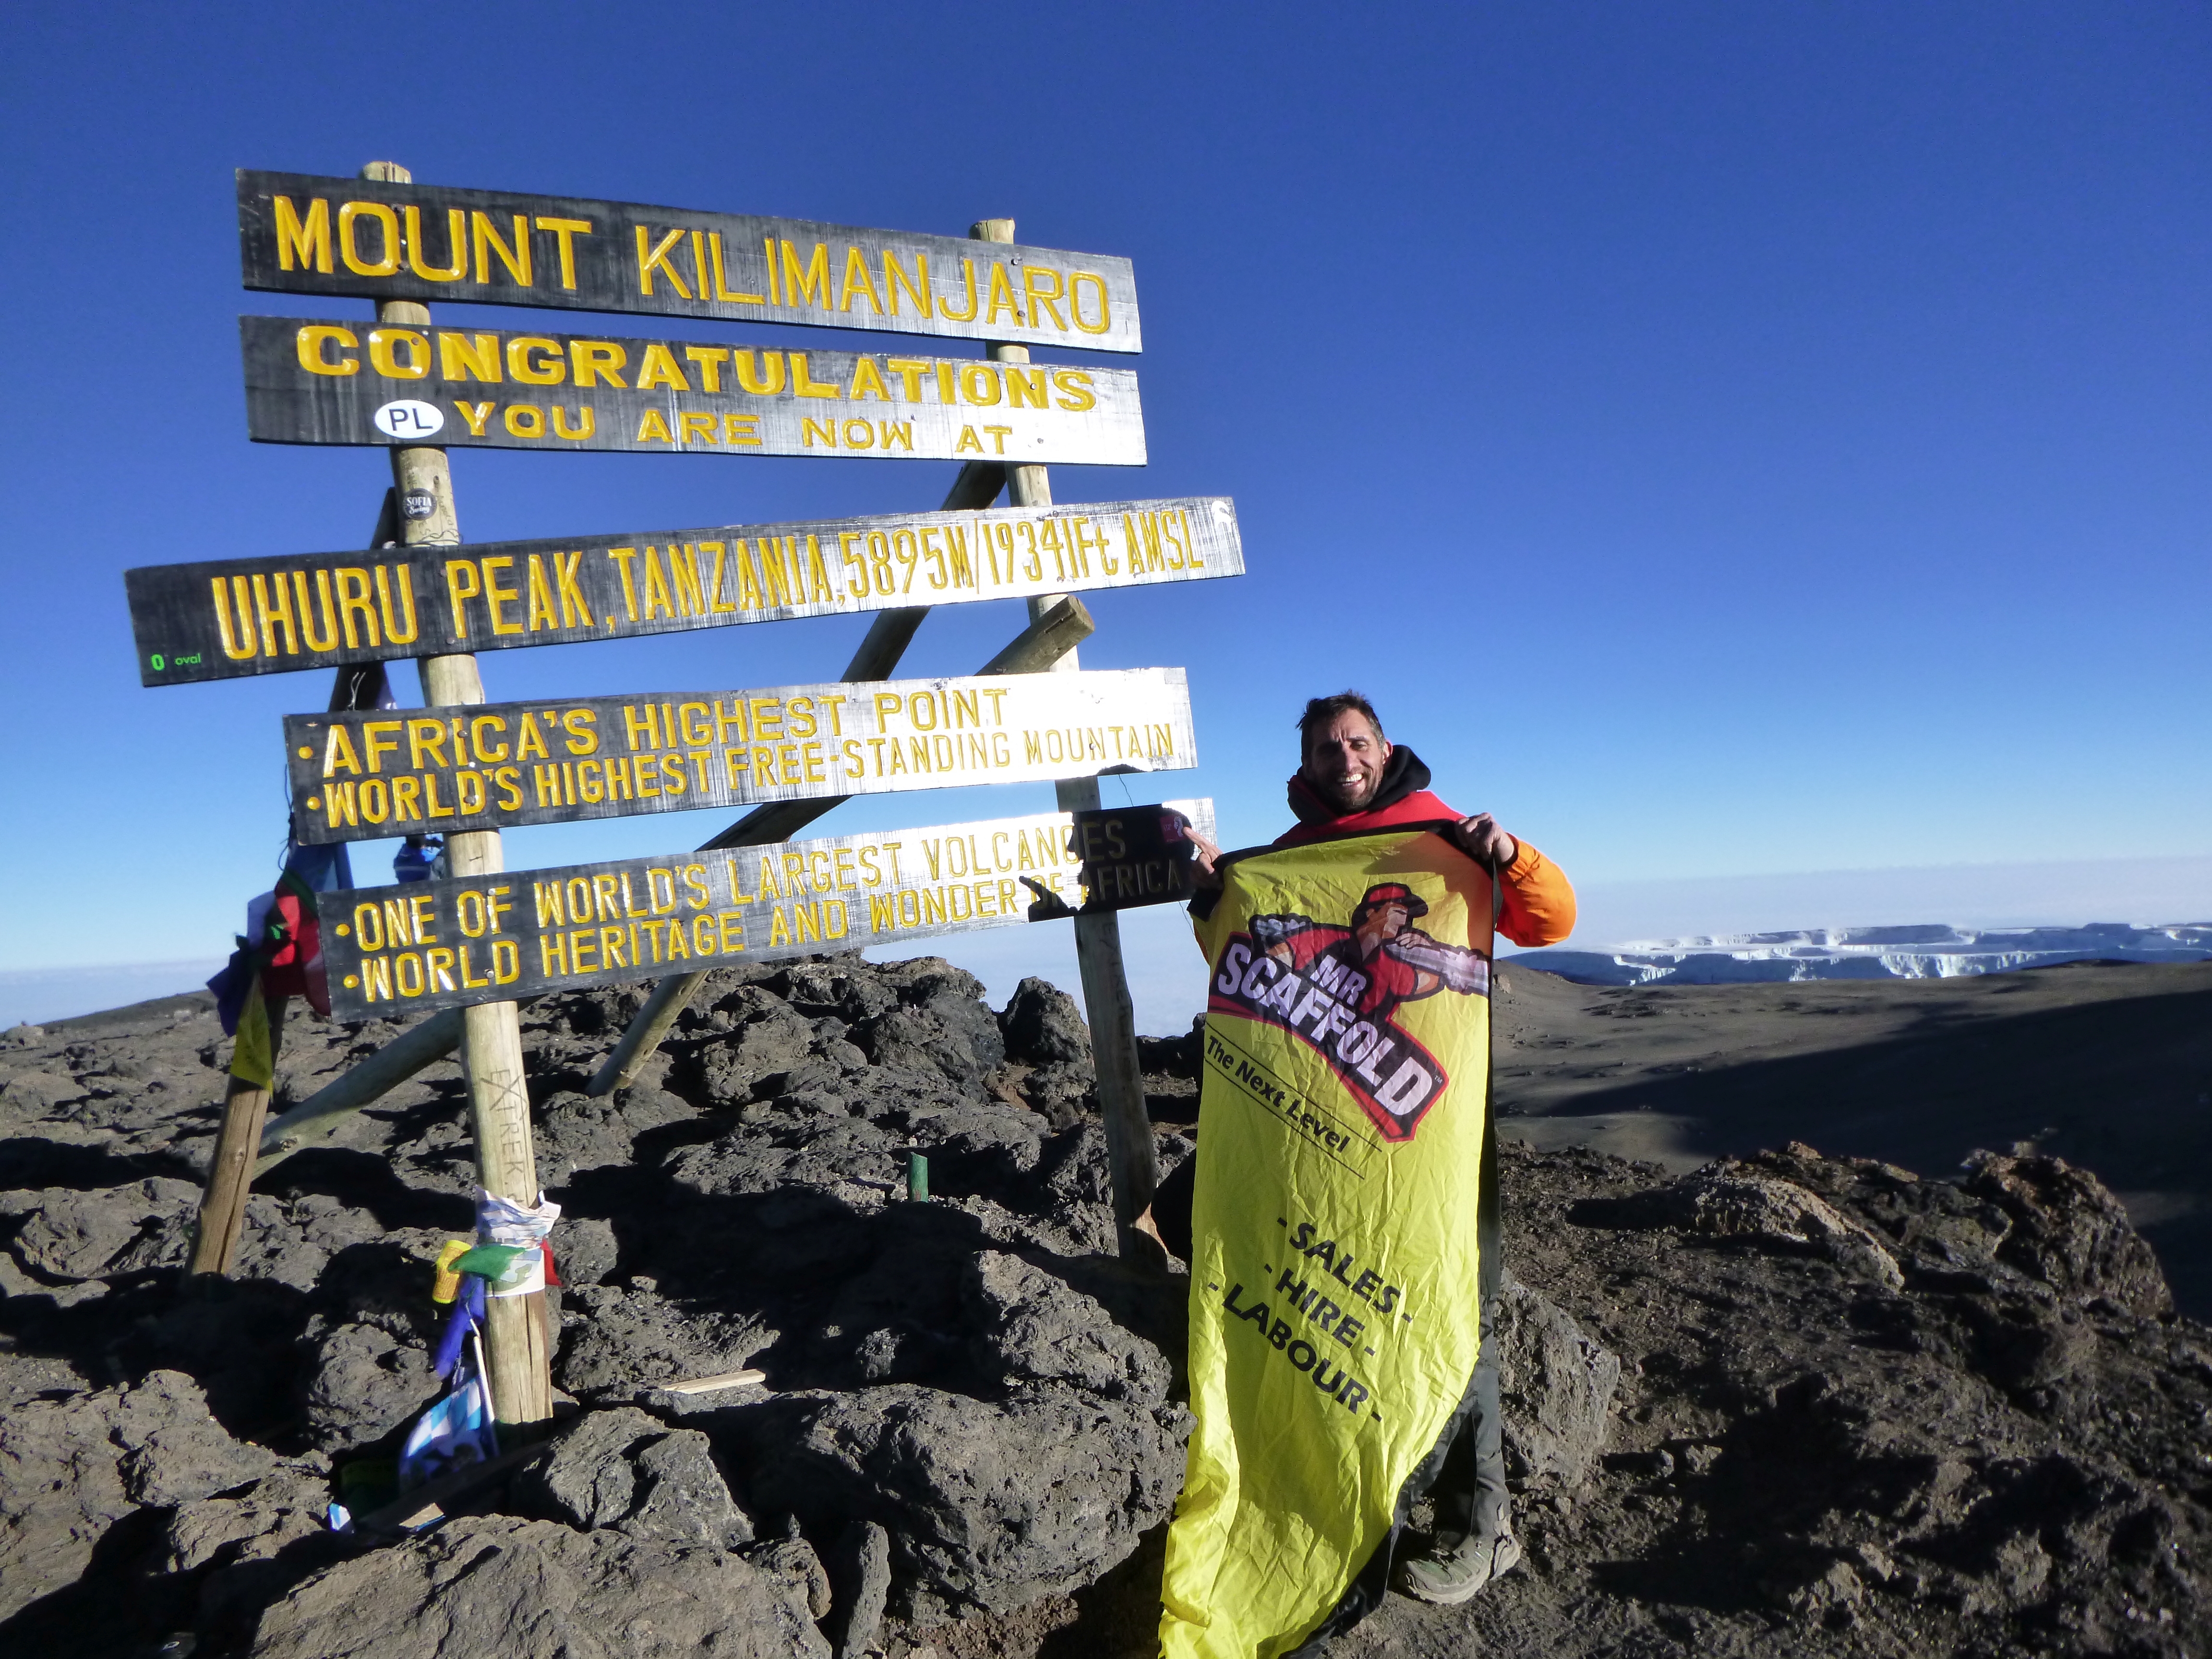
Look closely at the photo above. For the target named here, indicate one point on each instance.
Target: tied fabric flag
(1334, 1324)
(279, 955)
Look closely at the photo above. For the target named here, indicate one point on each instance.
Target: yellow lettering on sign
(1002, 296)
(314, 340)
(485, 240)
(303, 247)
(767, 379)
(387, 221)
(659, 369)
(917, 290)
(536, 361)
(710, 359)
(652, 428)
(339, 754)
(326, 638)
(968, 272)
(1075, 282)
(383, 347)
(597, 359)
(721, 275)
(456, 240)
(354, 602)
(564, 231)
(869, 381)
(800, 284)
(574, 611)
(858, 279)
(468, 356)
(656, 259)
(404, 579)
(805, 385)
(1042, 285)
(495, 596)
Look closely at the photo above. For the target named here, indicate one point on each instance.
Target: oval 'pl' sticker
(409, 417)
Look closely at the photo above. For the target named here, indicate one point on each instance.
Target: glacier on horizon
(1922, 951)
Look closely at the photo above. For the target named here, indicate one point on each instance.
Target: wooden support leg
(1132, 1160)
(222, 1205)
(517, 1346)
(499, 1099)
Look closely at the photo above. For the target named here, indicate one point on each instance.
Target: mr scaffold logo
(1338, 988)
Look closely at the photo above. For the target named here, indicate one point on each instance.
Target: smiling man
(1342, 982)
(1352, 778)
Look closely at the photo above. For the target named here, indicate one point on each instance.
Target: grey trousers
(1469, 1487)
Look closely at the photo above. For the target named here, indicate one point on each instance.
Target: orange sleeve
(1540, 904)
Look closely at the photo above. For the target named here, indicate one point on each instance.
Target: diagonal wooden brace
(318, 1118)
(1033, 651)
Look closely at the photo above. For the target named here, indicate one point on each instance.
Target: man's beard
(1338, 795)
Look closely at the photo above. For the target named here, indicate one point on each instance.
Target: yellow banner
(1333, 1311)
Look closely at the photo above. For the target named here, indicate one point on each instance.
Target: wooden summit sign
(229, 617)
(491, 938)
(303, 234)
(357, 775)
(310, 382)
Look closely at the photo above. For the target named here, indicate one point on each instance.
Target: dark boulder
(625, 1469)
(500, 1585)
(1042, 1025)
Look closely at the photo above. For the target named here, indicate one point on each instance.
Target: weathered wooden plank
(361, 775)
(330, 382)
(298, 234)
(404, 950)
(223, 619)
(1134, 856)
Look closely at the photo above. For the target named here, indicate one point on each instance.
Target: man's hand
(1481, 839)
(1203, 877)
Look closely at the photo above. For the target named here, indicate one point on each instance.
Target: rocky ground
(1786, 1404)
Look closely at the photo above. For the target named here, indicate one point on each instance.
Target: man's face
(1383, 924)
(1345, 760)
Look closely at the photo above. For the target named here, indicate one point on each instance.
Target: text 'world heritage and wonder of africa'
(452, 942)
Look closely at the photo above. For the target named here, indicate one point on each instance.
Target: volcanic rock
(1726, 1199)
(70, 1468)
(623, 1469)
(2070, 1232)
(988, 1504)
(1555, 1386)
(1995, 1445)
(496, 1585)
(1041, 1026)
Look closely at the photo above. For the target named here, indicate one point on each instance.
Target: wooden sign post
(403, 384)
(1132, 1160)
(516, 1339)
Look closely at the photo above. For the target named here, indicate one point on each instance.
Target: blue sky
(1725, 439)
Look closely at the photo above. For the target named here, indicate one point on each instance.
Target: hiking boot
(1449, 1577)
